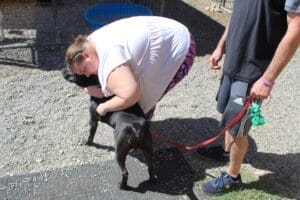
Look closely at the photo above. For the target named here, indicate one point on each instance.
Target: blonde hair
(73, 52)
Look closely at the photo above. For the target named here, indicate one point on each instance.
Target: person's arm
(94, 90)
(217, 54)
(261, 89)
(123, 83)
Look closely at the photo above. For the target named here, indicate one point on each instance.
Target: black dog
(131, 129)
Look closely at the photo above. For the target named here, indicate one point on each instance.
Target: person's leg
(238, 151)
(231, 179)
(227, 142)
(236, 141)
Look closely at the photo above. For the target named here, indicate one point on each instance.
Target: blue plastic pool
(102, 14)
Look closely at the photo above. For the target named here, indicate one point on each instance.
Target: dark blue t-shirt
(256, 28)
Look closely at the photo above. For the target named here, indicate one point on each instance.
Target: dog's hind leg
(148, 154)
(121, 159)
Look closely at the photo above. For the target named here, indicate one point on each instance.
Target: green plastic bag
(255, 113)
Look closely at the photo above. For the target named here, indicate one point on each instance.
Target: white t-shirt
(155, 47)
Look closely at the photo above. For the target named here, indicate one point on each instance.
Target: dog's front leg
(93, 128)
(93, 123)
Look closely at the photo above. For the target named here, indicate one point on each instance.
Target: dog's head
(80, 80)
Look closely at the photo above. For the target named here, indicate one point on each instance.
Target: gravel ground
(44, 119)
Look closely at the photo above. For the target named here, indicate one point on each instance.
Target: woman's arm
(94, 90)
(124, 85)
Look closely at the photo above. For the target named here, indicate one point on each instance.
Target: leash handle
(236, 119)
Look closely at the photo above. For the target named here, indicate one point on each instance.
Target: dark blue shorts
(231, 97)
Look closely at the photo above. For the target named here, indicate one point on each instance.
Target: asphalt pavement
(174, 180)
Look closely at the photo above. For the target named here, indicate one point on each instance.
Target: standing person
(138, 59)
(260, 39)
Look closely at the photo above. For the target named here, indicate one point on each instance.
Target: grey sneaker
(223, 183)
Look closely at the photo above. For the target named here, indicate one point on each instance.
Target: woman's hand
(101, 109)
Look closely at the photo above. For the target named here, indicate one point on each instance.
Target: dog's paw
(124, 186)
(89, 143)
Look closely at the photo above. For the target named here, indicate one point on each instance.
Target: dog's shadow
(174, 176)
(100, 146)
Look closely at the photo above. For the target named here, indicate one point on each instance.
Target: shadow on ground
(71, 23)
(174, 178)
(282, 179)
(174, 175)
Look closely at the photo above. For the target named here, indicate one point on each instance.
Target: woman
(137, 59)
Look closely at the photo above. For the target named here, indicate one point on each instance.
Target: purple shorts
(182, 72)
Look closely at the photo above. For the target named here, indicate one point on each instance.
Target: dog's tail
(139, 130)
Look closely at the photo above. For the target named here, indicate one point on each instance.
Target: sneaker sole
(233, 189)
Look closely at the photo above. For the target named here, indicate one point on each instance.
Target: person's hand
(215, 57)
(101, 109)
(260, 90)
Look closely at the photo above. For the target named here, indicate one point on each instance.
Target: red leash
(212, 139)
